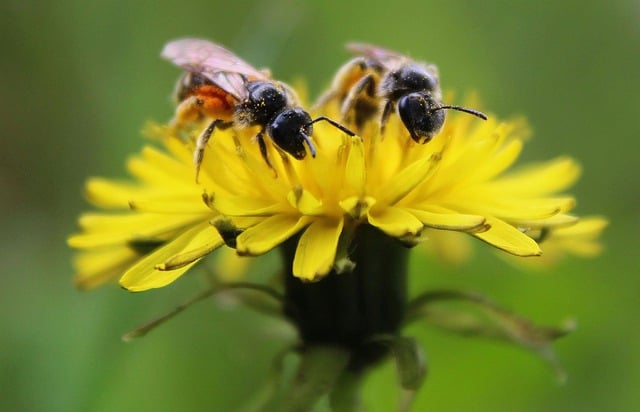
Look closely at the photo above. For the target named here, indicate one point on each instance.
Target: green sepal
(261, 298)
(409, 358)
(410, 362)
(258, 297)
(476, 315)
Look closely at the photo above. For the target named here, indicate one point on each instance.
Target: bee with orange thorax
(221, 86)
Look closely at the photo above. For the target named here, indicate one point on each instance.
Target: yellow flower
(456, 182)
(153, 231)
(343, 217)
(162, 225)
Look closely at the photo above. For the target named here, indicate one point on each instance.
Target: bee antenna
(476, 113)
(331, 122)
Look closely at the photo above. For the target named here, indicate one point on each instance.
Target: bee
(221, 86)
(378, 82)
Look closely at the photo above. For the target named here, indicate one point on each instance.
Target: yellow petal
(106, 230)
(156, 167)
(230, 267)
(144, 275)
(581, 247)
(115, 223)
(242, 170)
(357, 207)
(395, 221)
(181, 151)
(560, 220)
(493, 203)
(355, 170)
(324, 175)
(440, 218)
(190, 256)
(540, 179)
(452, 247)
(316, 250)
(499, 162)
(587, 227)
(269, 233)
(245, 205)
(175, 202)
(304, 201)
(405, 181)
(580, 239)
(110, 194)
(508, 238)
(470, 163)
(95, 267)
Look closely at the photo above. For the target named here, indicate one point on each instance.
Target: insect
(379, 81)
(221, 86)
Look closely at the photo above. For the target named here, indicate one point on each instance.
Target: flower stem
(345, 396)
(319, 370)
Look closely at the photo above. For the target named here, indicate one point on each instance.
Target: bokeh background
(78, 79)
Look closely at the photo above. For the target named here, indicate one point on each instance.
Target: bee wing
(232, 83)
(374, 52)
(388, 58)
(222, 67)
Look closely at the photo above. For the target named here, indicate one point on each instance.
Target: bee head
(290, 130)
(421, 115)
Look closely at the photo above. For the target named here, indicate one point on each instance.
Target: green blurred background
(79, 78)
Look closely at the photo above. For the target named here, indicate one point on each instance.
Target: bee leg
(203, 139)
(263, 151)
(386, 112)
(187, 111)
(365, 83)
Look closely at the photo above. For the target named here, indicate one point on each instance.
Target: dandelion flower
(461, 181)
(343, 218)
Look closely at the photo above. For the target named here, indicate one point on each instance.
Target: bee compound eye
(420, 115)
(290, 130)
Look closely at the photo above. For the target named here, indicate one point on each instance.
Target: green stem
(320, 368)
(345, 396)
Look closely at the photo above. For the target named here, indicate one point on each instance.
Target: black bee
(379, 81)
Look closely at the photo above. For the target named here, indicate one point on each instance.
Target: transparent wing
(388, 58)
(222, 67)
(374, 52)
